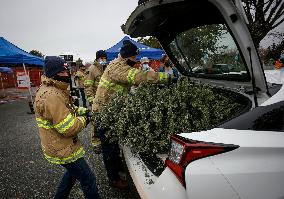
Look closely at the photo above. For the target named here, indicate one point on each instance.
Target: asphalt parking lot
(26, 174)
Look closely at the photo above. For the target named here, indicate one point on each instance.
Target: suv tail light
(183, 151)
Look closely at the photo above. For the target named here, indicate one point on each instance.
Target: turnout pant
(111, 156)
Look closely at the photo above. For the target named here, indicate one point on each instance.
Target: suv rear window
(209, 51)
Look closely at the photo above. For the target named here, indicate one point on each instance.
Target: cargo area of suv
(209, 43)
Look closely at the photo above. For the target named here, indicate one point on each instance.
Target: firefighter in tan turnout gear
(119, 76)
(79, 78)
(92, 79)
(59, 123)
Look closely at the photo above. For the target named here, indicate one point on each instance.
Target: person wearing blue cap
(119, 76)
(59, 123)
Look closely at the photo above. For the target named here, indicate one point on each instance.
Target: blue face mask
(145, 66)
(103, 62)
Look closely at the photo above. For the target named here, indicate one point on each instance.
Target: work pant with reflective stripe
(78, 170)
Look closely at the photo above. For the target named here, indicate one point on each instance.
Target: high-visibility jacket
(119, 77)
(59, 122)
(92, 78)
(80, 77)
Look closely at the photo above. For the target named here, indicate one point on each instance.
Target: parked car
(243, 157)
(222, 68)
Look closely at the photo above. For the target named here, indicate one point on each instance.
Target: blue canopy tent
(4, 70)
(145, 51)
(11, 54)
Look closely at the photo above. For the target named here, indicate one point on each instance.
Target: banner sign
(23, 80)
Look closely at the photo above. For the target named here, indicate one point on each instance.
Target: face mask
(103, 62)
(130, 62)
(65, 79)
(145, 66)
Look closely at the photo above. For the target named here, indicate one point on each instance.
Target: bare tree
(263, 16)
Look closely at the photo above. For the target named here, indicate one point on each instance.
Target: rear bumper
(148, 185)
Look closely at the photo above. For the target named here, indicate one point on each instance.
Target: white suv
(244, 156)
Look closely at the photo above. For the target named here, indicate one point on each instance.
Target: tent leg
(30, 92)
(15, 80)
(4, 94)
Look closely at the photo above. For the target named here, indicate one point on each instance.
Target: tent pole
(4, 94)
(15, 81)
(29, 86)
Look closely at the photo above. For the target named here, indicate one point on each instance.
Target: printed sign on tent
(23, 80)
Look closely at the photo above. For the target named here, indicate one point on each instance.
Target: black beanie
(128, 49)
(101, 53)
(54, 65)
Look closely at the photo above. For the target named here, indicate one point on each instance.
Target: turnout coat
(119, 77)
(59, 122)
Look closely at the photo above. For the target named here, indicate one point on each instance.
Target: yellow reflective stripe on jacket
(72, 158)
(65, 124)
(81, 111)
(112, 86)
(43, 123)
(163, 77)
(88, 83)
(131, 75)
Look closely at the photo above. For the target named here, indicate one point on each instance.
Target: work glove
(81, 111)
(86, 113)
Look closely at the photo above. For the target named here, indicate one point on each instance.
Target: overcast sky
(57, 26)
